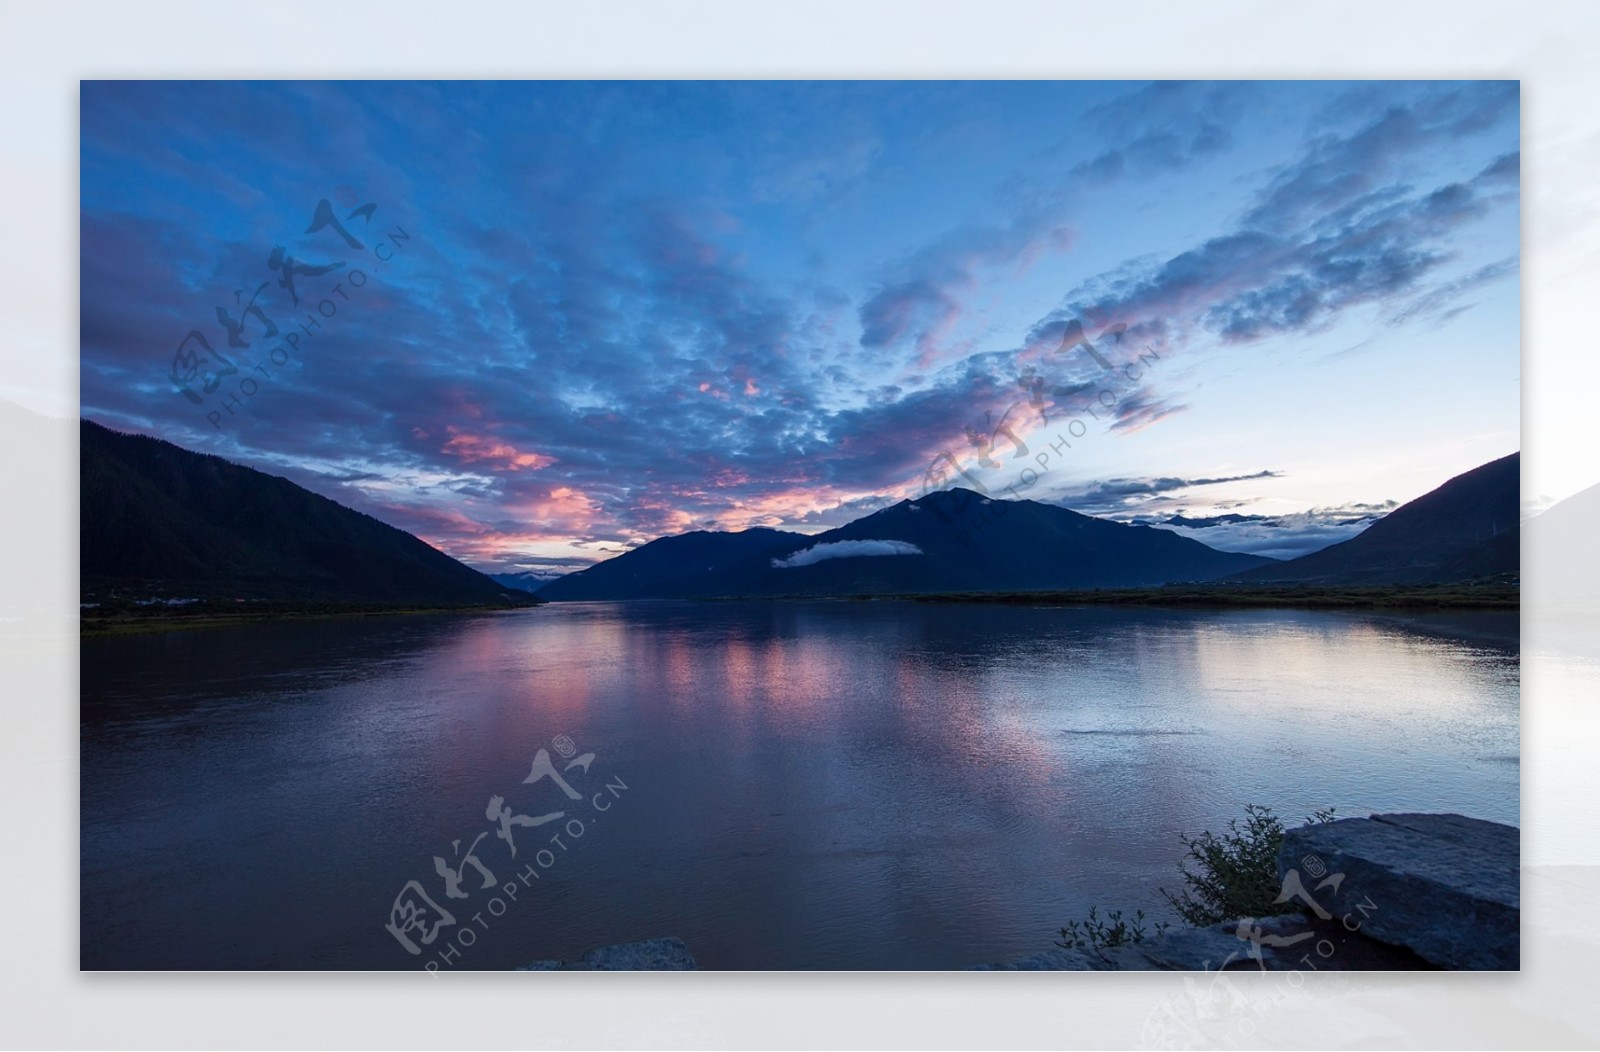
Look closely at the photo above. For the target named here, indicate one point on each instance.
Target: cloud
(1338, 169)
(1120, 494)
(1276, 536)
(1160, 128)
(472, 449)
(1335, 229)
(1142, 407)
(1155, 129)
(844, 550)
(917, 304)
(922, 299)
(1507, 169)
(1440, 302)
(591, 339)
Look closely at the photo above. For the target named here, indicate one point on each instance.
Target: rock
(1212, 949)
(1392, 892)
(1218, 947)
(1445, 887)
(650, 955)
(1057, 960)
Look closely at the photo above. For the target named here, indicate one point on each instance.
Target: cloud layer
(626, 310)
(844, 550)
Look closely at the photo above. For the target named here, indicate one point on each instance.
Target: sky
(539, 323)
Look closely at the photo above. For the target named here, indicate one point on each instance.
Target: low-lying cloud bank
(1276, 536)
(844, 550)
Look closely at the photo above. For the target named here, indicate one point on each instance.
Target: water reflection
(812, 785)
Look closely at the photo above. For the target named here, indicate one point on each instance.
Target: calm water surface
(807, 785)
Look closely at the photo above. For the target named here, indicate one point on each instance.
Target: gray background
(44, 51)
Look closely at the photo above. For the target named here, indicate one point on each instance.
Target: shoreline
(166, 620)
(1376, 597)
(215, 614)
(1419, 597)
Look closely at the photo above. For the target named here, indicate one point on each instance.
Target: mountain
(522, 581)
(1205, 521)
(684, 565)
(952, 541)
(158, 521)
(1466, 530)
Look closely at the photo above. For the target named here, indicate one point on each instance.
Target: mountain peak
(953, 540)
(1466, 529)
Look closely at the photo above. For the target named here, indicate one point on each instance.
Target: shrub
(1235, 874)
(1227, 876)
(1096, 936)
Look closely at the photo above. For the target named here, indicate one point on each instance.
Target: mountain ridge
(158, 521)
(1465, 529)
(662, 568)
(916, 546)
(959, 541)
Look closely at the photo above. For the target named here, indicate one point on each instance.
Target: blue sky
(589, 314)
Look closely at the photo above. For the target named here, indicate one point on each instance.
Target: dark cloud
(1142, 407)
(1121, 494)
(1160, 128)
(1334, 230)
(922, 297)
(1506, 169)
(1338, 169)
(915, 305)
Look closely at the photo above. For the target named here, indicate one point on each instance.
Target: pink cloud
(478, 449)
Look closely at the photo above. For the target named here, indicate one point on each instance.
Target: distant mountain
(522, 581)
(957, 540)
(158, 521)
(1206, 521)
(1466, 530)
(668, 567)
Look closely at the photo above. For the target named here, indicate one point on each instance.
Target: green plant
(1096, 936)
(1235, 874)
(1228, 876)
(1231, 875)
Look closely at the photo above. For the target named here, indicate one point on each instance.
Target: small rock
(649, 955)
(1212, 949)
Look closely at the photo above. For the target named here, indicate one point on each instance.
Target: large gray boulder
(1445, 886)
